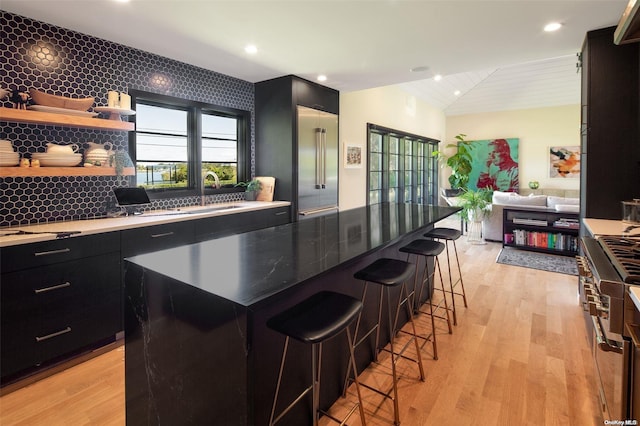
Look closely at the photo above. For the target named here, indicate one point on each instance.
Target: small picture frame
(352, 156)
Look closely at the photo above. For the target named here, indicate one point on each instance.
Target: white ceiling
(494, 52)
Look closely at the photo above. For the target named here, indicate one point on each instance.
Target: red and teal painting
(494, 164)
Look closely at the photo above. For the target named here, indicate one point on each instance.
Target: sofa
(567, 201)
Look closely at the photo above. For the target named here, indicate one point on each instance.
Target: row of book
(547, 240)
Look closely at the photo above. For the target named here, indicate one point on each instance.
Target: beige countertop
(156, 217)
(608, 227)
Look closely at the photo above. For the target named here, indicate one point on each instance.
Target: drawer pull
(46, 253)
(53, 287)
(280, 213)
(166, 234)
(57, 333)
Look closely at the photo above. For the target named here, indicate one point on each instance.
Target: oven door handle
(603, 343)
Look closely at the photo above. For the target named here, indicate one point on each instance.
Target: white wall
(537, 129)
(385, 106)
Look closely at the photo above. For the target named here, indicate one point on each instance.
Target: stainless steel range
(610, 264)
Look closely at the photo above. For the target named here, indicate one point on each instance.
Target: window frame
(195, 110)
(429, 181)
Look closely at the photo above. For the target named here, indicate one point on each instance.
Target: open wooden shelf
(47, 118)
(62, 171)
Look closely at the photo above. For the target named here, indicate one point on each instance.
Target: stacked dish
(8, 157)
(47, 159)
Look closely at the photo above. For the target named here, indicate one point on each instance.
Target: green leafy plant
(254, 186)
(478, 202)
(460, 162)
(251, 188)
(120, 159)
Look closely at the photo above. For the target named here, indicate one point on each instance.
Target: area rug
(535, 260)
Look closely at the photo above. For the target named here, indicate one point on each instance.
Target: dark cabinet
(60, 298)
(55, 302)
(222, 226)
(610, 125)
(157, 237)
(276, 128)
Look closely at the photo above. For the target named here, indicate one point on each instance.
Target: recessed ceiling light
(322, 77)
(456, 93)
(437, 77)
(251, 49)
(122, 1)
(419, 69)
(553, 26)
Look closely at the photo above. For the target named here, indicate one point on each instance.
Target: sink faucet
(216, 185)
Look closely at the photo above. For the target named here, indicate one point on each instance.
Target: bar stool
(450, 234)
(313, 321)
(388, 273)
(428, 249)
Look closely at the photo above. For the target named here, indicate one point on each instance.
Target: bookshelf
(546, 231)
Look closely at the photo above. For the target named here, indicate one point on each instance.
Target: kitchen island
(197, 346)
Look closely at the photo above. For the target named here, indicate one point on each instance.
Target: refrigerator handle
(318, 158)
(324, 158)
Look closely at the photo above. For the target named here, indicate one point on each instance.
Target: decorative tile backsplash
(63, 62)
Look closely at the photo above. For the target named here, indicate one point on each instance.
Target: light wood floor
(519, 356)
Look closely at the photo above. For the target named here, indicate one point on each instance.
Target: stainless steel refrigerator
(317, 162)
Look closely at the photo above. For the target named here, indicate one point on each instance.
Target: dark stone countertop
(250, 268)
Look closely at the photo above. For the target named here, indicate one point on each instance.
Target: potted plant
(460, 164)
(476, 205)
(251, 189)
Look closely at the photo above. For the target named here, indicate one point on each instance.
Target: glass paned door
(401, 167)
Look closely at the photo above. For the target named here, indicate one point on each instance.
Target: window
(401, 166)
(176, 142)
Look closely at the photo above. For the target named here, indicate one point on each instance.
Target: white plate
(55, 156)
(43, 108)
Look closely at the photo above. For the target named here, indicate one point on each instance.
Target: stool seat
(312, 321)
(444, 233)
(318, 318)
(388, 272)
(423, 247)
(450, 234)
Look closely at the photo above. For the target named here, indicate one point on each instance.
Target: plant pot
(250, 195)
(476, 233)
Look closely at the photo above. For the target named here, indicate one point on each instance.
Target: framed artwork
(352, 156)
(564, 162)
(494, 164)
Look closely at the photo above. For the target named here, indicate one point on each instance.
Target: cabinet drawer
(277, 216)
(152, 238)
(38, 339)
(26, 256)
(237, 223)
(31, 292)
